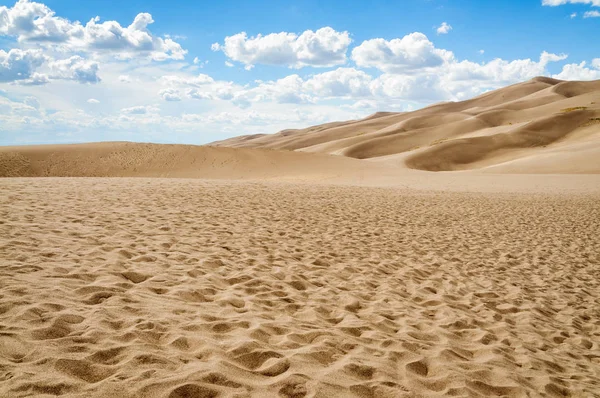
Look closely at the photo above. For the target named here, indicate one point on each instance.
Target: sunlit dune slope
(540, 126)
(125, 159)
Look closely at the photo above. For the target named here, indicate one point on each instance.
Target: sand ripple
(187, 288)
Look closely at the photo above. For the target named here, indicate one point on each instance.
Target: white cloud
(342, 82)
(451, 80)
(481, 52)
(287, 90)
(580, 71)
(18, 110)
(415, 69)
(255, 118)
(36, 79)
(75, 68)
(194, 93)
(362, 105)
(592, 14)
(573, 15)
(140, 110)
(93, 101)
(466, 78)
(194, 81)
(33, 22)
(323, 48)
(444, 28)
(19, 64)
(412, 52)
(228, 64)
(125, 79)
(424, 88)
(554, 3)
(170, 94)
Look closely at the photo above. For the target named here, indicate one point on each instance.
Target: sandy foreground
(135, 287)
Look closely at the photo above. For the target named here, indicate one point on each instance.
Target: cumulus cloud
(170, 94)
(125, 79)
(75, 68)
(287, 90)
(20, 67)
(591, 14)
(580, 71)
(362, 105)
(424, 88)
(193, 81)
(32, 22)
(403, 55)
(466, 78)
(342, 82)
(323, 48)
(36, 79)
(194, 93)
(93, 101)
(444, 28)
(415, 69)
(19, 64)
(449, 80)
(203, 86)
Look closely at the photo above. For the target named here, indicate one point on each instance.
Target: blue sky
(195, 72)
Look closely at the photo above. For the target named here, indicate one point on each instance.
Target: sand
(328, 270)
(194, 288)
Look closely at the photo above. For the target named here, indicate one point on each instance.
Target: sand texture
(174, 288)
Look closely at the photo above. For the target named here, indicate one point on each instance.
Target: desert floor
(134, 287)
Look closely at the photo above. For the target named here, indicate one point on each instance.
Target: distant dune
(540, 126)
(127, 159)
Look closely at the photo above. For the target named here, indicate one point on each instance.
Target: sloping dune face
(125, 159)
(540, 126)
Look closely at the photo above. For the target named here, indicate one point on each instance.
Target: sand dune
(126, 159)
(533, 119)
